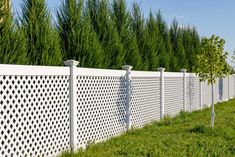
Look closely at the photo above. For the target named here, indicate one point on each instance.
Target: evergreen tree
(12, 47)
(177, 44)
(181, 54)
(92, 54)
(43, 47)
(187, 44)
(97, 35)
(79, 41)
(192, 47)
(121, 17)
(138, 27)
(165, 52)
(152, 43)
(69, 23)
(107, 33)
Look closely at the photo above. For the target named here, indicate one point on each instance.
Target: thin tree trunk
(213, 107)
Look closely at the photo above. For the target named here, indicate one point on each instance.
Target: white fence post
(200, 97)
(72, 99)
(184, 89)
(161, 91)
(128, 95)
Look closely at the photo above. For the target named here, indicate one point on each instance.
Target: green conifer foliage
(138, 27)
(121, 17)
(98, 33)
(79, 40)
(107, 33)
(91, 52)
(43, 47)
(177, 45)
(12, 45)
(165, 51)
(152, 43)
(192, 44)
(69, 23)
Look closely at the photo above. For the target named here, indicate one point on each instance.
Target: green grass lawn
(188, 134)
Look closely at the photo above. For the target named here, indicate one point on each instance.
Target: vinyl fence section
(47, 110)
(193, 93)
(100, 105)
(173, 91)
(34, 110)
(145, 98)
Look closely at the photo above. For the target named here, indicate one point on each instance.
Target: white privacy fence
(34, 110)
(47, 110)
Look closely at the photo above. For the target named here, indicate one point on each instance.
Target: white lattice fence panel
(233, 84)
(34, 115)
(145, 100)
(101, 106)
(206, 94)
(231, 87)
(192, 93)
(173, 95)
(225, 89)
(217, 91)
(35, 109)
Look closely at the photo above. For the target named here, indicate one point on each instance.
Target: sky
(208, 16)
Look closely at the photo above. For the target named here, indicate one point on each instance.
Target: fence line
(47, 110)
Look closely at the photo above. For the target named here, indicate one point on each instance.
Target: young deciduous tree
(211, 64)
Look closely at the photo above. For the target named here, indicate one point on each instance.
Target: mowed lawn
(188, 134)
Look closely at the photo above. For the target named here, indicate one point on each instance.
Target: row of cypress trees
(98, 33)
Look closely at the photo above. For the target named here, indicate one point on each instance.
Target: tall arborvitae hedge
(78, 38)
(98, 33)
(107, 33)
(152, 43)
(42, 39)
(138, 27)
(122, 20)
(12, 43)
(165, 51)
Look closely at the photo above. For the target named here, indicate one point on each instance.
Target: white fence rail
(47, 110)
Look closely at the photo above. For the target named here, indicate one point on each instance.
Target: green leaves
(211, 60)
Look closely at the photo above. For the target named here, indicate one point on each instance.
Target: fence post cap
(161, 69)
(71, 63)
(183, 70)
(126, 67)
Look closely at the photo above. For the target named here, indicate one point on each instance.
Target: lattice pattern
(173, 95)
(34, 115)
(206, 94)
(192, 93)
(101, 105)
(225, 89)
(217, 91)
(145, 100)
(35, 110)
(231, 86)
